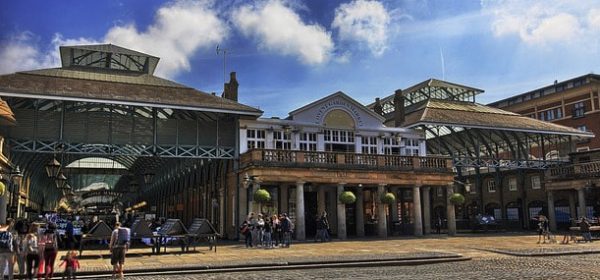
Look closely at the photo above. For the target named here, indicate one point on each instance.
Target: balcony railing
(573, 171)
(342, 160)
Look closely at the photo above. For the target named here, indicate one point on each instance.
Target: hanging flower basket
(347, 197)
(457, 199)
(262, 196)
(388, 198)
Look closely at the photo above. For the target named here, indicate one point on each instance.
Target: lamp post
(14, 173)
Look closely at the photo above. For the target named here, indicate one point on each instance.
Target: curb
(202, 269)
(542, 254)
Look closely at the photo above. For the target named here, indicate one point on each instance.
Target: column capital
(426, 188)
(300, 183)
(382, 185)
(341, 184)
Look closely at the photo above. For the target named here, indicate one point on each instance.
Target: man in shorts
(119, 244)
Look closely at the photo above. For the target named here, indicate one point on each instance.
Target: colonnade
(421, 208)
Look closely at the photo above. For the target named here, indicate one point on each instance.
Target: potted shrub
(457, 199)
(347, 197)
(388, 198)
(262, 196)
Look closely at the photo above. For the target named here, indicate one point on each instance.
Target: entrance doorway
(310, 213)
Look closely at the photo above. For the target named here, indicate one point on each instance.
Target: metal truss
(505, 163)
(172, 151)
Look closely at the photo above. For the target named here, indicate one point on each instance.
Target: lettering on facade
(341, 174)
(338, 103)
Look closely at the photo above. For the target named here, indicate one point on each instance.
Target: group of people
(34, 249)
(269, 232)
(544, 234)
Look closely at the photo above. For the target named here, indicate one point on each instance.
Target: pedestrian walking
(33, 252)
(118, 246)
(50, 240)
(325, 226)
(7, 250)
(71, 265)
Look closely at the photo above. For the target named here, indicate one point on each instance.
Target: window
(338, 136)
(542, 116)
(439, 192)
(411, 147)
(550, 115)
(535, 183)
(255, 138)
(491, 184)
(308, 141)
(391, 146)
(512, 184)
(582, 128)
(282, 140)
(369, 145)
(578, 110)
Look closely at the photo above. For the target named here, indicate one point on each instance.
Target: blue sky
(288, 52)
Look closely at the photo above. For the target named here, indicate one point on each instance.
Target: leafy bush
(388, 198)
(262, 196)
(457, 198)
(347, 197)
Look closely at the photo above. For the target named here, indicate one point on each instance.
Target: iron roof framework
(146, 140)
(474, 148)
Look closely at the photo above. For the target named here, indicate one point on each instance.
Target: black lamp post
(14, 194)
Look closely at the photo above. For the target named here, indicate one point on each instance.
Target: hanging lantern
(61, 181)
(148, 178)
(52, 168)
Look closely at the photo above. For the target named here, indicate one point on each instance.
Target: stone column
(3, 205)
(581, 196)
(426, 211)
(572, 207)
(243, 205)
(450, 210)
(394, 209)
(254, 206)
(360, 212)
(300, 229)
(283, 193)
(321, 200)
(418, 223)
(341, 213)
(551, 211)
(382, 218)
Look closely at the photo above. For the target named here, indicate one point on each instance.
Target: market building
(573, 187)
(500, 157)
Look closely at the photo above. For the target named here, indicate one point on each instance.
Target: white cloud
(178, 31)
(279, 28)
(543, 22)
(365, 22)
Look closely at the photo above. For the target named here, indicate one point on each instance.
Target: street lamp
(466, 184)
(14, 173)
(61, 181)
(52, 168)
(247, 180)
(148, 178)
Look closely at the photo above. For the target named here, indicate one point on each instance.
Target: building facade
(333, 145)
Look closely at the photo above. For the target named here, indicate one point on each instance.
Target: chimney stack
(398, 108)
(377, 107)
(230, 90)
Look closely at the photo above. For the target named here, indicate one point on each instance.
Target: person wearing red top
(71, 265)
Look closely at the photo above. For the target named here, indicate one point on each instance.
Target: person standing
(584, 226)
(7, 252)
(50, 240)
(245, 231)
(286, 228)
(71, 265)
(543, 230)
(277, 237)
(325, 225)
(33, 252)
(118, 246)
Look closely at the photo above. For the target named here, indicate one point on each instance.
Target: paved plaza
(496, 255)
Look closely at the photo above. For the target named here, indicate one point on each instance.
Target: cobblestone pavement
(556, 267)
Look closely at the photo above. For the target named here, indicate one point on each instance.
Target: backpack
(6, 241)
